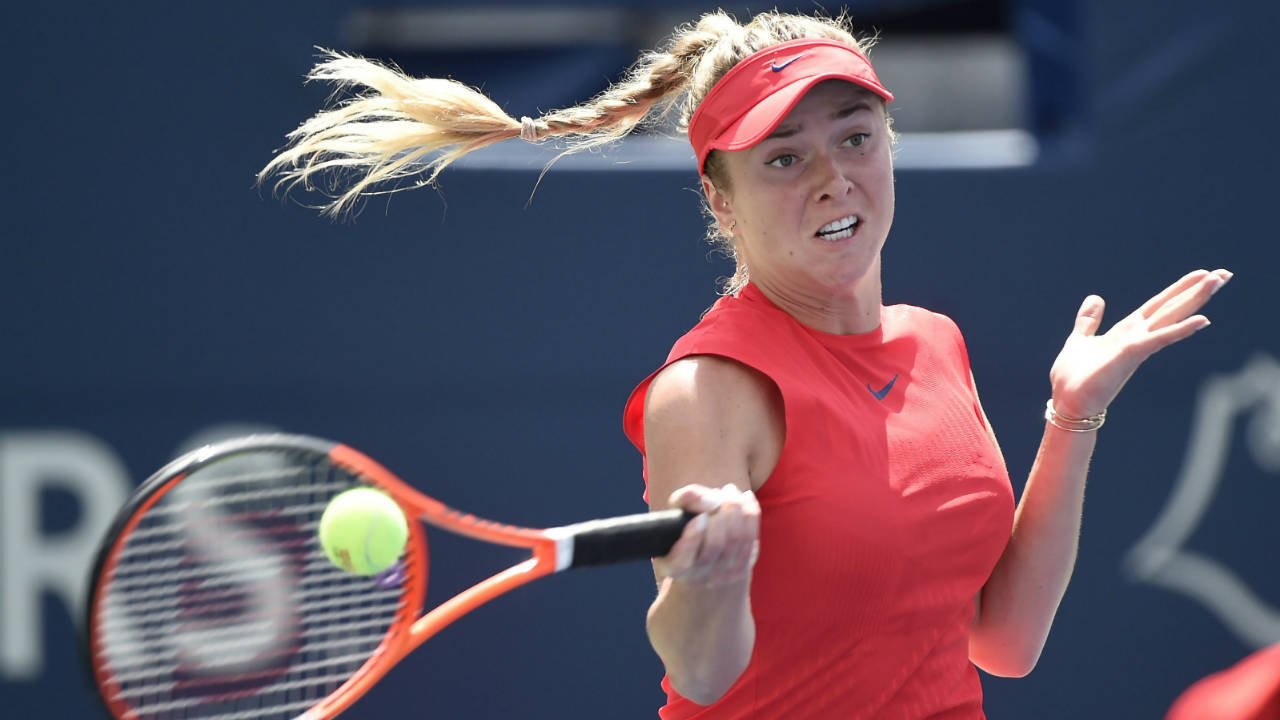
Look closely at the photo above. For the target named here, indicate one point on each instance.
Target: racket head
(211, 596)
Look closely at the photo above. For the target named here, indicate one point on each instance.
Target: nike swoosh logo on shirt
(774, 66)
(884, 390)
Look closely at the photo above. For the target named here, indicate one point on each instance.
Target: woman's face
(813, 202)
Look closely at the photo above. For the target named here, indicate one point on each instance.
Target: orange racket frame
(603, 541)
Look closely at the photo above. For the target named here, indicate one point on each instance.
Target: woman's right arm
(713, 430)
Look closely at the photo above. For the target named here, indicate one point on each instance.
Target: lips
(839, 229)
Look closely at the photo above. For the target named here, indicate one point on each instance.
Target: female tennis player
(858, 550)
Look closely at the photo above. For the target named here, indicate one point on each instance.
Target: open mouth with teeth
(839, 229)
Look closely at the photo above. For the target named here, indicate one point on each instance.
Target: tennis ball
(363, 531)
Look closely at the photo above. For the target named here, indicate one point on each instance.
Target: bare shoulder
(707, 386)
(711, 420)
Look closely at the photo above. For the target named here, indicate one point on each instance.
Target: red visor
(752, 98)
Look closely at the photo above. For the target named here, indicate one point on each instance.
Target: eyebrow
(787, 131)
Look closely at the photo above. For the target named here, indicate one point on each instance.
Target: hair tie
(528, 131)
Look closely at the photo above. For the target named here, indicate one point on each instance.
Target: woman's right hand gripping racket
(212, 598)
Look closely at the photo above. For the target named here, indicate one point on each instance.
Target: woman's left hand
(1089, 372)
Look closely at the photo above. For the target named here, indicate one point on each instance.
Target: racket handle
(629, 537)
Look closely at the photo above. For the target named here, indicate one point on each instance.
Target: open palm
(1091, 369)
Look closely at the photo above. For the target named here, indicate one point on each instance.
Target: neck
(847, 311)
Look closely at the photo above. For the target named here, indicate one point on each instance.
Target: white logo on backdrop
(34, 563)
(1250, 402)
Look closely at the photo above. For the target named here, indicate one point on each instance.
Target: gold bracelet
(1070, 424)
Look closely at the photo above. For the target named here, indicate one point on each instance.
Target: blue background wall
(483, 349)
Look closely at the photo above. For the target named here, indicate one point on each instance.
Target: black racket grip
(630, 537)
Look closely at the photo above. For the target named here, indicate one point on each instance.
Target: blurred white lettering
(32, 563)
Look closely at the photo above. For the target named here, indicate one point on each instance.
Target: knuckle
(711, 546)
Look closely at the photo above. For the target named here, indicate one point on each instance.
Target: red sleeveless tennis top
(887, 510)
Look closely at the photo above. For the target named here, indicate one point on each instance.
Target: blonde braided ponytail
(399, 127)
(396, 128)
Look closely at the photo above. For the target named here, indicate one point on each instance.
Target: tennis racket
(212, 598)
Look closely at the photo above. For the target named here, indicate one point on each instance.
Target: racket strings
(223, 606)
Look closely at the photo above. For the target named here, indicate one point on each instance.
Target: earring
(731, 227)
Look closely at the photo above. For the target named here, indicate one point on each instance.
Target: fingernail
(717, 499)
(700, 523)
(1217, 285)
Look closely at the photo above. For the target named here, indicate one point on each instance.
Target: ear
(720, 206)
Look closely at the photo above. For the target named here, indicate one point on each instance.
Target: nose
(830, 180)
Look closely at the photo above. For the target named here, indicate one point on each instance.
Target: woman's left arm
(1016, 606)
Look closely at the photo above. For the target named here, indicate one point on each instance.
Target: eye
(857, 139)
(783, 161)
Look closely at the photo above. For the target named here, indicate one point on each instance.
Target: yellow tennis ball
(363, 531)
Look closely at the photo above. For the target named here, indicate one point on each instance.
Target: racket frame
(551, 550)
